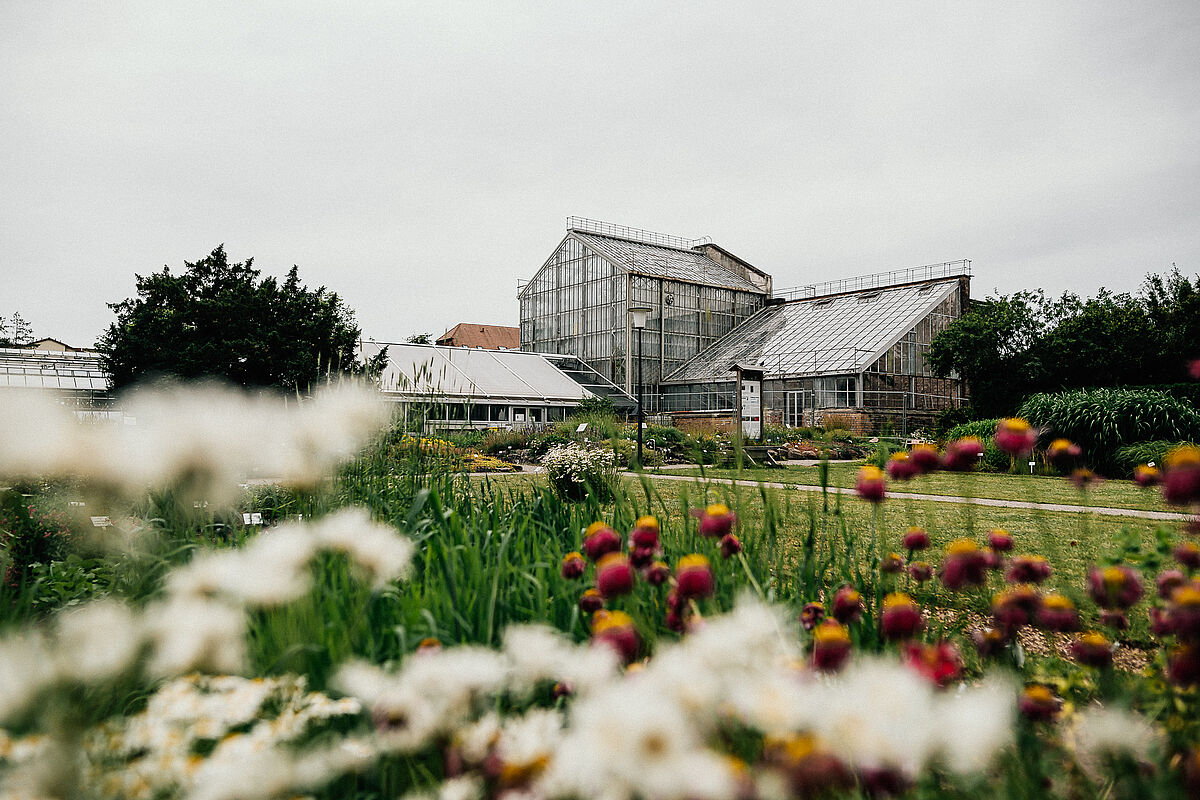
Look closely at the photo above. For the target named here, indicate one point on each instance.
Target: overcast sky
(420, 158)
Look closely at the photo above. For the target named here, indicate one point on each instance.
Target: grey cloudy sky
(419, 158)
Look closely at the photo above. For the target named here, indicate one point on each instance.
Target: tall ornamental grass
(1103, 420)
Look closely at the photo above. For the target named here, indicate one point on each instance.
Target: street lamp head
(638, 315)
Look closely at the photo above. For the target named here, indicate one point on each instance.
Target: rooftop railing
(584, 225)
(878, 280)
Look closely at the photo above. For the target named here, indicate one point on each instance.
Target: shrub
(1103, 420)
(1127, 457)
(994, 459)
(499, 441)
(30, 537)
(575, 471)
(837, 423)
(625, 451)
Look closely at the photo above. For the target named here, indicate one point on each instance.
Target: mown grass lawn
(1027, 488)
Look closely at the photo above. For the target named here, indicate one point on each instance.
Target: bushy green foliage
(1103, 420)
(497, 442)
(1127, 457)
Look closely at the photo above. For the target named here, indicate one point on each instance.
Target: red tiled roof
(490, 337)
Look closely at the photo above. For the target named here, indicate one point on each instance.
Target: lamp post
(638, 316)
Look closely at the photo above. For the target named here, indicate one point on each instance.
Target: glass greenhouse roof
(665, 262)
(836, 334)
(71, 371)
(460, 373)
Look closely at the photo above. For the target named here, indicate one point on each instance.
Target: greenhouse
(579, 302)
(857, 353)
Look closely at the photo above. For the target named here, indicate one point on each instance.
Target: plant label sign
(582, 427)
(101, 522)
(751, 407)
(254, 518)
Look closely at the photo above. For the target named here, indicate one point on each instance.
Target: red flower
(658, 573)
(730, 546)
(1181, 484)
(1000, 540)
(615, 629)
(1015, 607)
(1184, 611)
(1117, 586)
(591, 602)
(715, 521)
(693, 577)
(901, 617)
(1183, 664)
(1116, 620)
(924, 457)
(847, 605)
(642, 557)
(940, 663)
(614, 576)
(989, 642)
(1039, 704)
(1063, 453)
(600, 540)
(1028, 569)
(1145, 475)
(900, 467)
(573, 566)
(963, 454)
(831, 646)
(1093, 649)
(920, 571)
(811, 615)
(1058, 613)
(965, 565)
(891, 564)
(1015, 436)
(916, 539)
(1168, 581)
(645, 533)
(1188, 554)
(870, 484)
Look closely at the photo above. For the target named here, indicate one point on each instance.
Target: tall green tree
(221, 319)
(15, 331)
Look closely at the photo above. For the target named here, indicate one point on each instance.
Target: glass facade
(578, 304)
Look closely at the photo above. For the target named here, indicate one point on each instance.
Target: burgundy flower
(962, 454)
(645, 535)
(924, 457)
(730, 546)
(1083, 477)
(901, 468)
(916, 539)
(1168, 581)
(1145, 475)
(811, 615)
(1093, 649)
(831, 646)
(616, 630)
(940, 662)
(1118, 586)
(847, 605)
(1188, 554)
(658, 573)
(1193, 369)
(693, 577)
(642, 557)
(1183, 664)
(1184, 611)
(1028, 569)
(614, 576)
(901, 617)
(573, 566)
(965, 565)
(920, 571)
(1181, 483)
(989, 642)
(599, 541)
(1058, 613)
(562, 689)
(1039, 704)
(591, 602)
(883, 781)
(1160, 622)
(891, 564)
(1015, 607)
(870, 484)
(1000, 540)
(1063, 453)
(715, 521)
(1015, 436)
